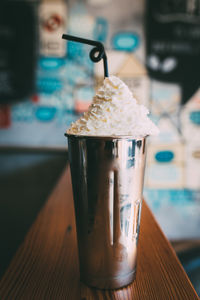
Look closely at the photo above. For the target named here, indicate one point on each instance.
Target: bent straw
(98, 48)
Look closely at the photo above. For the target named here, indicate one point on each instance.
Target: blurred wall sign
(164, 156)
(165, 166)
(18, 41)
(51, 63)
(52, 20)
(125, 41)
(45, 113)
(173, 42)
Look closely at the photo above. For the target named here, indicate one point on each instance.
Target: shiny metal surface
(107, 178)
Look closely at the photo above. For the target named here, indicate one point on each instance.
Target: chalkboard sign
(18, 36)
(173, 43)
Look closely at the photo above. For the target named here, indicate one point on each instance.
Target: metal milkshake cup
(107, 179)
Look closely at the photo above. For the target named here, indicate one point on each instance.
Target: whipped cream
(114, 112)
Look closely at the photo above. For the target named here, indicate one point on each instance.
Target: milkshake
(107, 147)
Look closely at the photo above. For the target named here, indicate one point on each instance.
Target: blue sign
(195, 117)
(125, 41)
(45, 113)
(51, 63)
(164, 156)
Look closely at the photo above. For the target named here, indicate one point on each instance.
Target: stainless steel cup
(107, 178)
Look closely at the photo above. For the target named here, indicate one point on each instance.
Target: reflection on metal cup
(107, 178)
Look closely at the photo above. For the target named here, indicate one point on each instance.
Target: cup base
(109, 282)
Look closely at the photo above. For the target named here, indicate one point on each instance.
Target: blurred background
(47, 82)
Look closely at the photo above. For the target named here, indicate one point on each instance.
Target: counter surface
(46, 264)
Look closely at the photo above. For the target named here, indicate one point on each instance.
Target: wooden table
(46, 264)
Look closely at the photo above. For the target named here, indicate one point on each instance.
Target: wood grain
(46, 264)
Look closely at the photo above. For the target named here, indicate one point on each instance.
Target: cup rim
(106, 137)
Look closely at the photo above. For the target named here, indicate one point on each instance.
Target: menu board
(173, 43)
(18, 48)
